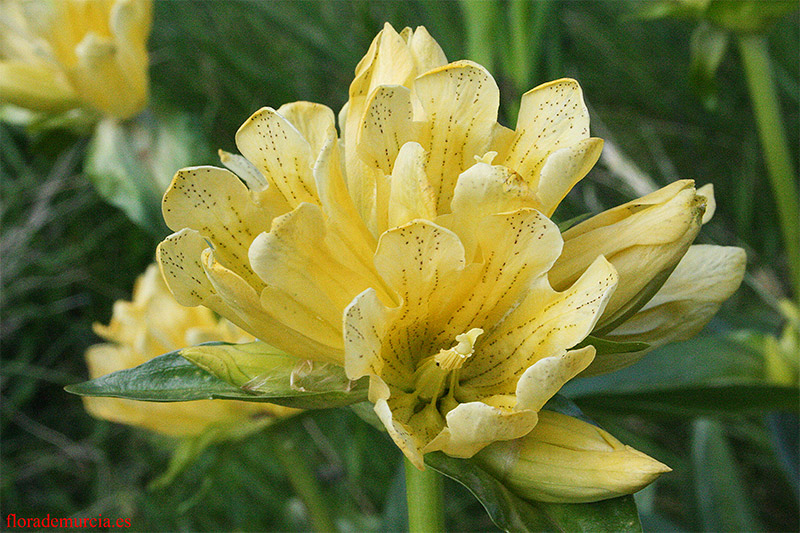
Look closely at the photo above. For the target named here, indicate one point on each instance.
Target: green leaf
(607, 347)
(574, 221)
(131, 163)
(171, 378)
(190, 448)
(698, 377)
(513, 513)
(721, 496)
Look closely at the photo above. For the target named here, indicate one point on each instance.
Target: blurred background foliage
(707, 408)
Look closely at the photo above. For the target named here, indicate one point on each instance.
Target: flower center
(431, 376)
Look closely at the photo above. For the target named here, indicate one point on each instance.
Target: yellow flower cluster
(153, 324)
(56, 55)
(415, 246)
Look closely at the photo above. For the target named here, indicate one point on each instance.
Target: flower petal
(705, 277)
(551, 116)
(564, 168)
(411, 195)
(366, 321)
(544, 324)
(545, 378)
(179, 259)
(281, 153)
(216, 203)
(473, 426)
(482, 190)
(245, 302)
(643, 239)
(427, 53)
(385, 127)
(315, 122)
(516, 248)
(301, 258)
(458, 104)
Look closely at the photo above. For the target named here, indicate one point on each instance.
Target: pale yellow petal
(216, 203)
(551, 116)
(458, 105)
(564, 168)
(315, 122)
(482, 190)
(516, 248)
(643, 239)
(621, 212)
(245, 302)
(388, 62)
(179, 257)
(386, 126)
(544, 324)
(281, 153)
(707, 191)
(416, 261)
(35, 86)
(339, 207)
(546, 376)
(245, 170)
(299, 258)
(474, 425)
(705, 277)
(400, 434)
(411, 196)
(366, 321)
(567, 460)
(427, 53)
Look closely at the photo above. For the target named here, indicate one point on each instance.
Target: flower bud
(644, 239)
(704, 278)
(565, 460)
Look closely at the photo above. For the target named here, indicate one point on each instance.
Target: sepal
(172, 378)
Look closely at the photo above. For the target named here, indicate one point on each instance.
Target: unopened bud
(566, 460)
(644, 239)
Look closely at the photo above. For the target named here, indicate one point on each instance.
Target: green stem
(302, 479)
(425, 500)
(755, 58)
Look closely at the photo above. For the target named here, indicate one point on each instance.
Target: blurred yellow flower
(567, 460)
(56, 55)
(426, 227)
(151, 325)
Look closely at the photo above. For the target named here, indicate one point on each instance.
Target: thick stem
(425, 500)
(302, 479)
(755, 58)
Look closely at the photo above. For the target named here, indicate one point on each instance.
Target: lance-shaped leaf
(271, 376)
(703, 376)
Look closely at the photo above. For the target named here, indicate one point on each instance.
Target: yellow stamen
(433, 371)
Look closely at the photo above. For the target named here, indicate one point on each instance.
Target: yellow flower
(566, 460)
(153, 324)
(416, 248)
(60, 54)
(438, 255)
